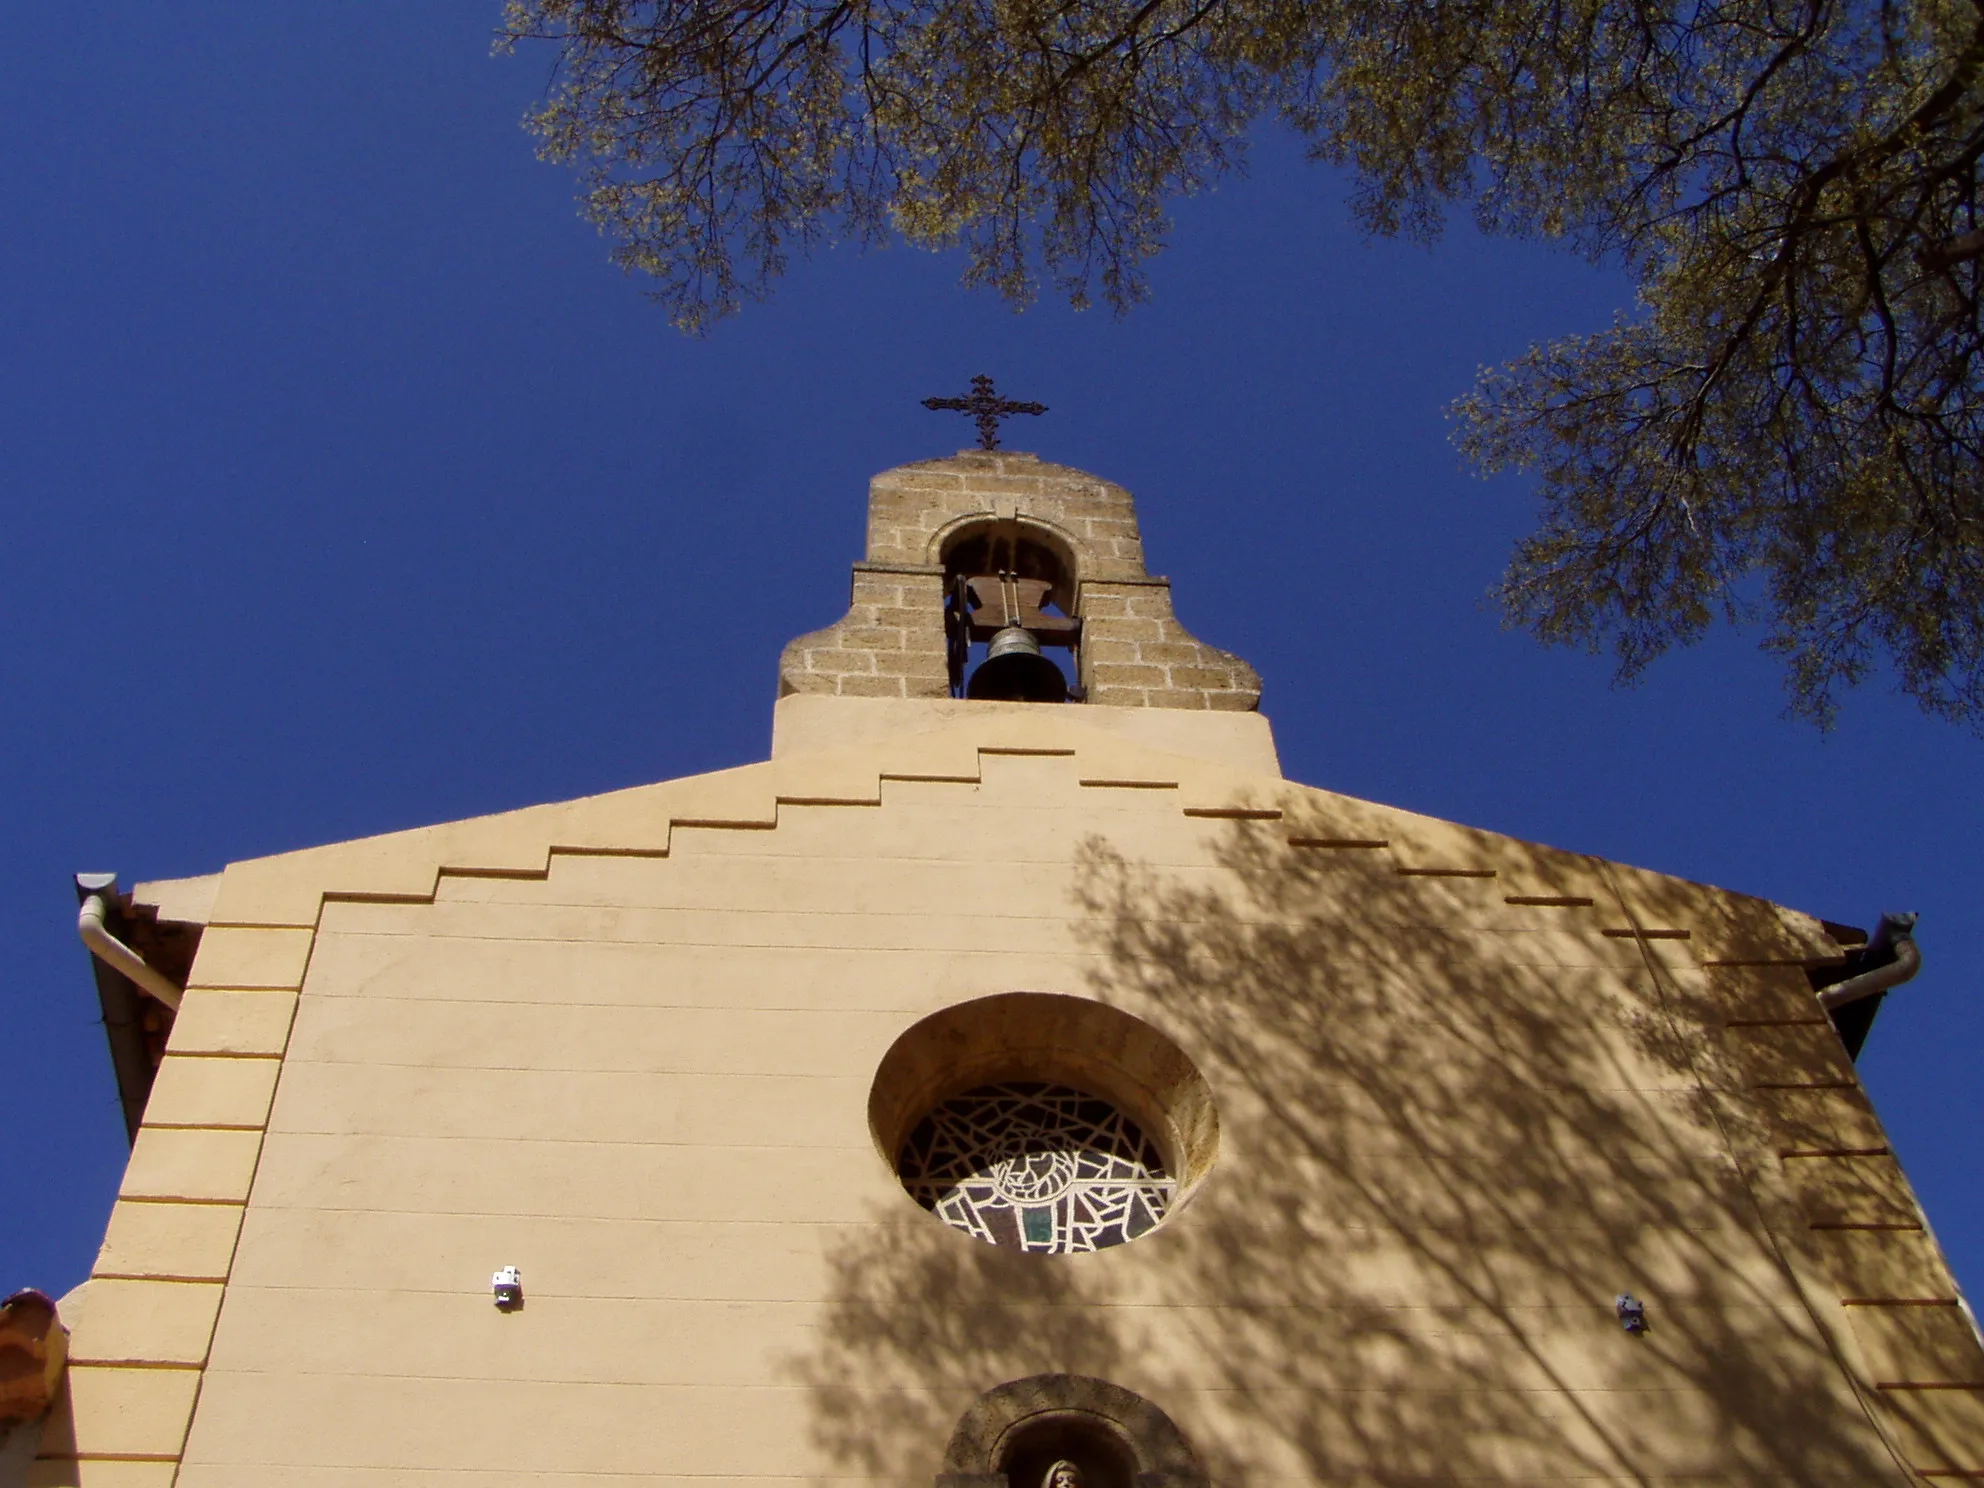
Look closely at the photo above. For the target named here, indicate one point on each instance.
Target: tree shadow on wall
(1440, 1159)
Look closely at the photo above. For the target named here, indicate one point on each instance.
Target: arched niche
(1015, 1431)
(1010, 571)
(1034, 550)
(986, 544)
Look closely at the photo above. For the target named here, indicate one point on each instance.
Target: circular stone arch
(1117, 1436)
(1064, 550)
(1058, 1039)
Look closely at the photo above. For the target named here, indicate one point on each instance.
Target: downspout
(111, 951)
(1895, 935)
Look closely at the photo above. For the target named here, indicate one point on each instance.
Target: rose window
(1037, 1167)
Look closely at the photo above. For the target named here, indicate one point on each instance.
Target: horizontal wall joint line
(1871, 1225)
(1835, 1152)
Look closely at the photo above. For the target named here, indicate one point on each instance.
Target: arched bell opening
(1009, 615)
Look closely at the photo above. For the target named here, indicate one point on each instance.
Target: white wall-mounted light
(508, 1285)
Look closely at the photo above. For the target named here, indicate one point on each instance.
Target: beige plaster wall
(1468, 1090)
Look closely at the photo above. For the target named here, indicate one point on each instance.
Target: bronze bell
(1015, 671)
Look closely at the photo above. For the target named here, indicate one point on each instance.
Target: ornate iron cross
(987, 407)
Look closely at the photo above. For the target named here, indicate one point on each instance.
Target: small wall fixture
(508, 1285)
(1632, 1312)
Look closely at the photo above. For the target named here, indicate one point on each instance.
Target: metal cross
(987, 407)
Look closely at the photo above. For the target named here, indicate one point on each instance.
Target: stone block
(251, 956)
(232, 1023)
(877, 591)
(1725, 927)
(995, 486)
(1763, 994)
(896, 542)
(188, 1242)
(382, 1252)
(1173, 697)
(1883, 1264)
(840, 661)
(912, 622)
(1119, 674)
(119, 1412)
(493, 977)
(198, 1165)
(911, 664)
(1941, 1431)
(603, 1106)
(1201, 678)
(1915, 1344)
(146, 1322)
(100, 1472)
(462, 1176)
(432, 1334)
(1851, 1190)
(795, 681)
(1821, 1121)
(212, 1090)
(401, 1431)
(856, 685)
(918, 478)
(1141, 631)
(381, 1048)
(1791, 1054)
(1110, 649)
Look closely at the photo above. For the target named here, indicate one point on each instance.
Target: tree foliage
(1788, 428)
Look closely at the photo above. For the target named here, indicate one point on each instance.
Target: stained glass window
(1041, 1168)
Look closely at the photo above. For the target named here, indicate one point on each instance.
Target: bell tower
(982, 567)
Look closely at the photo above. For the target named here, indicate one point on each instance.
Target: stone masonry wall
(1135, 654)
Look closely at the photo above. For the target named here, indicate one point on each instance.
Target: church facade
(994, 1093)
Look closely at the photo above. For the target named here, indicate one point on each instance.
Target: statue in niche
(1063, 1474)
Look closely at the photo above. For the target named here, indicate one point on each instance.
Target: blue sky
(349, 488)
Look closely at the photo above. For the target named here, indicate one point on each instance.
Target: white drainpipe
(1896, 932)
(108, 949)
